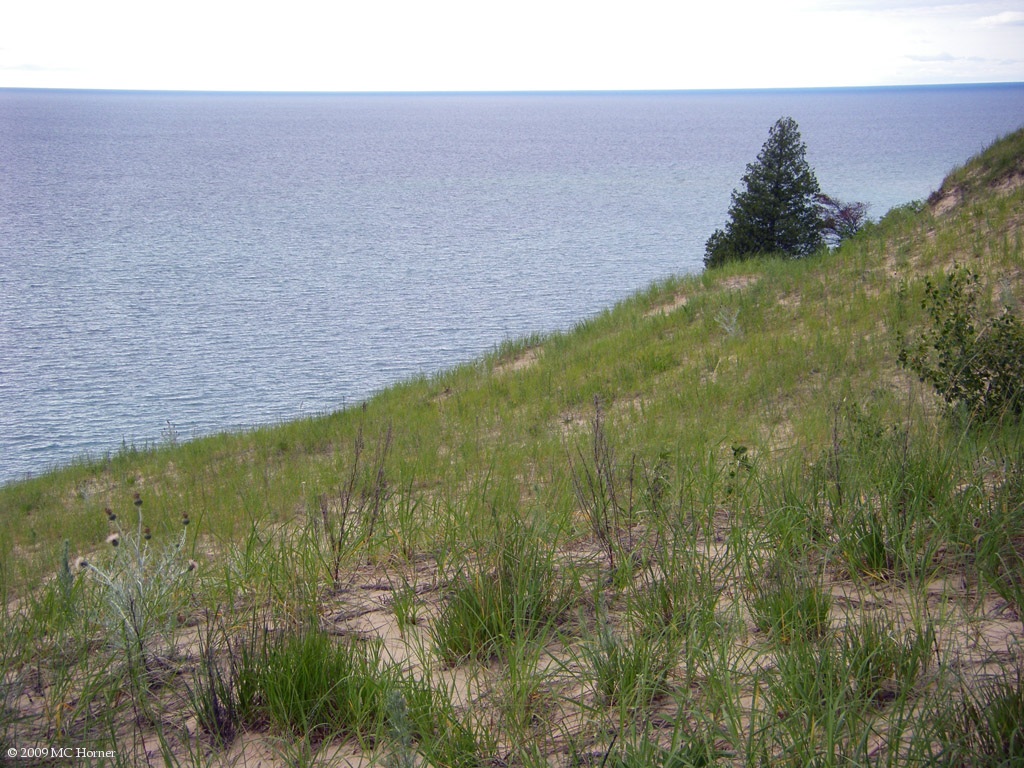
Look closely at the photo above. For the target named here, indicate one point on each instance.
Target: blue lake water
(206, 262)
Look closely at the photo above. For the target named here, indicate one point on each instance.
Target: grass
(307, 684)
(717, 524)
(628, 672)
(513, 594)
(989, 729)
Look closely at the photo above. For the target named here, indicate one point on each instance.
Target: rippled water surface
(217, 261)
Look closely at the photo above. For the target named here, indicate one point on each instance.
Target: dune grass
(716, 524)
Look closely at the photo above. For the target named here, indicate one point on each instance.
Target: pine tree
(777, 211)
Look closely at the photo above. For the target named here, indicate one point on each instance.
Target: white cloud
(1004, 19)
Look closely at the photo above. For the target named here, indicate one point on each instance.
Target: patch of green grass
(987, 167)
(424, 722)
(629, 671)
(790, 608)
(985, 726)
(524, 699)
(995, 534)
(311, 684)
(513, 592)
(883, 662)
(786, 599)
(888, 492)
(689, 747)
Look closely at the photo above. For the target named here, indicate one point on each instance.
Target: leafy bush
(840, 220)
(974, 363)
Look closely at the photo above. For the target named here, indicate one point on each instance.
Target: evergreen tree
(777, 211)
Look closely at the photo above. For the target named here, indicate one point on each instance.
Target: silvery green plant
(143, 589)
(403, 754)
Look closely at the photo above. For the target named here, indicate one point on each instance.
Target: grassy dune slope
(716, 524)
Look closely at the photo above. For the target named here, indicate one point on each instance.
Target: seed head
(114, 539)
(192, 565)
(110, 514)
(146, 533)
(81, 564)
(137, 500)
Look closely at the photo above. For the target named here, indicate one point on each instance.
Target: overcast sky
(428, 45)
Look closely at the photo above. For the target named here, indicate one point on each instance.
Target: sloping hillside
(718, 524)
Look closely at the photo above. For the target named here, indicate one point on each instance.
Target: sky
(497, 45)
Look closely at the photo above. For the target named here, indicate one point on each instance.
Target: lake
(184, 263)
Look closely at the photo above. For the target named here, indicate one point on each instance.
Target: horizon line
(511, 92)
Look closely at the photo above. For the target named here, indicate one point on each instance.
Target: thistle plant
(143, 589)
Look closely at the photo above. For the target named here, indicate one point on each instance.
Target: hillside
(718, 524)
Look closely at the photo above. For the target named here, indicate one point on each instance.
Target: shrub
(973, 362)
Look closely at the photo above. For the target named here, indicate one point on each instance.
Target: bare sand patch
(739, 282)
(677, 301)
(525, 359)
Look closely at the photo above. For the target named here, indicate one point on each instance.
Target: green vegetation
(781, 211)
(718, 524)
(976, 364)
(999, 165)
